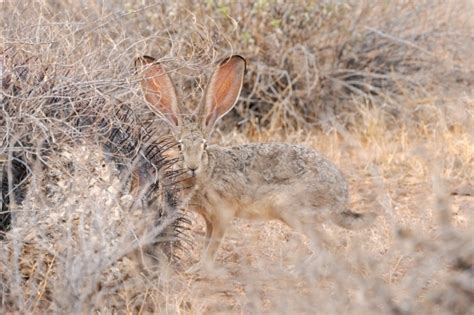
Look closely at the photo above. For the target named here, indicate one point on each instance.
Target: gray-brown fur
(290, 183)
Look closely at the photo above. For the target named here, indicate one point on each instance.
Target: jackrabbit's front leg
(209, 225)
(209, 228)
(215, 231)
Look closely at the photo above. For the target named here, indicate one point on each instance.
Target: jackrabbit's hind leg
(307, 222)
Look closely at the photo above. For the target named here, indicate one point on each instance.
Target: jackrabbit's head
(192, 130)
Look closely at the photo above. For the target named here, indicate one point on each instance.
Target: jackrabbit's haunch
(290, 183)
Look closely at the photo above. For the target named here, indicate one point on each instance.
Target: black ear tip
(144, 60)
(239, 57)
(148, 59)
(234, 57)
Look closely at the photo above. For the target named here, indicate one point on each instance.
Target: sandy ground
(265, 267)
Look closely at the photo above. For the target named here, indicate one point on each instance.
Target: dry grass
(384, 91)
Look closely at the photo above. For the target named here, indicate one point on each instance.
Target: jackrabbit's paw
(196, 268)
(205, 270)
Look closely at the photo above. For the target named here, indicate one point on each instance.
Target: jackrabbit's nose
(193, 170)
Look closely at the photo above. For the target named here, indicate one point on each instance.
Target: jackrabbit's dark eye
(180, 146)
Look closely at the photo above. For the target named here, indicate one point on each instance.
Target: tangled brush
(85, 187)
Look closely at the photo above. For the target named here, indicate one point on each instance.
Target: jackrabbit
(290, 183)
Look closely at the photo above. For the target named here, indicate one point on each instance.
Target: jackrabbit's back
(255, 172)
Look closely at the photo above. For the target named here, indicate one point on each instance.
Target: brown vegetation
(383, 89)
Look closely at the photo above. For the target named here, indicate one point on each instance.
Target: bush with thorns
(84, 184)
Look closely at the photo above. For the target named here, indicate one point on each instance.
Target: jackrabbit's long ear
(222, 91)
(159, 90)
